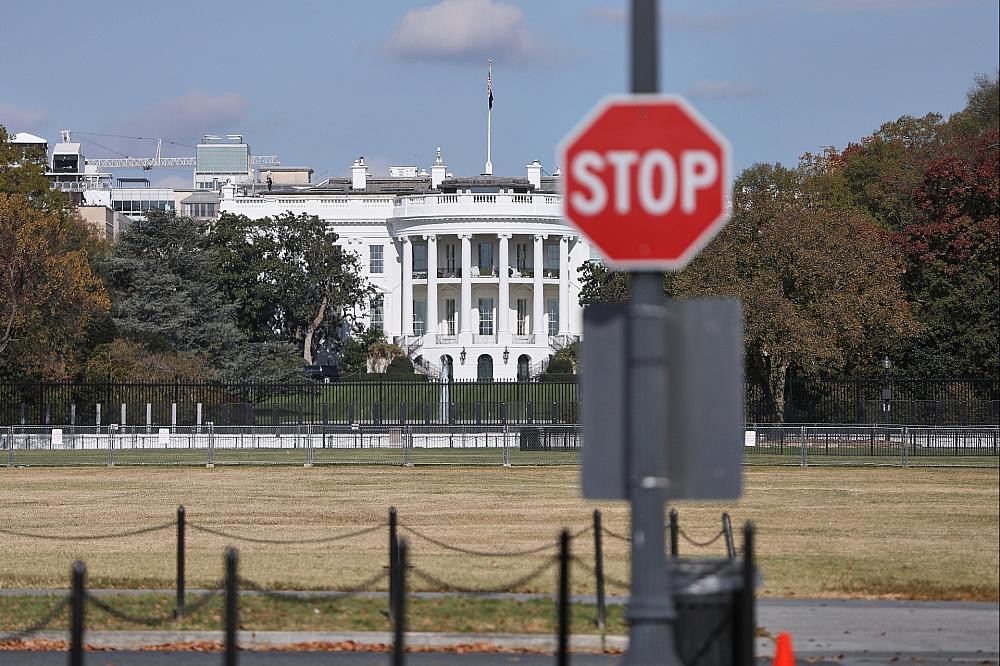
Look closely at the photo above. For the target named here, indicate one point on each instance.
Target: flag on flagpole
(489, 84)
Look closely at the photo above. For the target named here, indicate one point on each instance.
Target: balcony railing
(449, 272)
(445, 339)
(484, 339)
(523, 339)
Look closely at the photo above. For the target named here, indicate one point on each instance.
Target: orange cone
(783, 654)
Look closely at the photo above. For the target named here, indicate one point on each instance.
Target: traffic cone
(783, 654)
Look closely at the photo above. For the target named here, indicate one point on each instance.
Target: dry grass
(915, 533)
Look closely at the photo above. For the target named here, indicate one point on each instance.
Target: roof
(201, 197)
(374, 186)
(265, 169)
(24, 137)
(66, 149)
(486, 184)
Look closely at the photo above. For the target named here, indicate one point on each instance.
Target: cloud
(716, 90)
(186, 117)
(22, 118)
(465, 30)
(681, 21)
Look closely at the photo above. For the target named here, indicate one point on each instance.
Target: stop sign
(645, 180)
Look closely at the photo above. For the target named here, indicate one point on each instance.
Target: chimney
(229, 189)
(438, 170)
(359, 174)
(535, 174)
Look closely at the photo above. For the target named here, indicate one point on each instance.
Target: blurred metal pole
(599, 569)
(232, 607)
(77, 614)
(562, 654)
(399, 621)
(181, 515)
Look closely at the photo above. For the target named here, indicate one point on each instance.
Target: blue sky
(321, 82)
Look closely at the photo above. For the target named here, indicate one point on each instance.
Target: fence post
(173, 418)
(232, 606)
(673, 532)
(197, 418)
(408, 446)
(727, 530)
(10, 446)
(309, 445)
(599, 570)
(211, 445)
(111, 444)
(803, 454)
(97, 415)
(399, 603)
(562, 656)
(748, 630)
(393, 561)
(905, 445)
(179, 610)
(149, 418)
(77, 613)
(124, 419)
(506, 445)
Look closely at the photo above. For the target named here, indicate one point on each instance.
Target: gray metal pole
(651, 611)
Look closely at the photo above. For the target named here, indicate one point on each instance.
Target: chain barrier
(88, 537)
(237, 537)
(362, 587)
(481, 553)
(155, 620)
(512, 586)
(700, 544)
(616, 535)
(41, 624)
(610, 580)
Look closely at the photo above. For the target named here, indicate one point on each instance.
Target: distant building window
(375, 259)
(420, 259)
(419, 316)
(521, 250)
(200, 210)
(552, 313)
(522, 316)
(485, 316)
(377, 314)
(141, 206)
(552, 257)
(485, 258)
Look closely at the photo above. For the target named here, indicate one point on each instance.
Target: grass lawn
(838, 532)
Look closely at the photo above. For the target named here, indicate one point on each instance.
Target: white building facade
(477, 277)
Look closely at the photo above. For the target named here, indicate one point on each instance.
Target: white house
(478, 276)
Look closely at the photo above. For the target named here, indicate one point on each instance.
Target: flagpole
(489, 122)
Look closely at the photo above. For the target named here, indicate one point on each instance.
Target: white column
(538, 298)
(503, 307)
(564, 285)
(407, 286)
(465, 310)
(432, 286)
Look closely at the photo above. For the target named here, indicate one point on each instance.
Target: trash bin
(711, 621)
(530, 439)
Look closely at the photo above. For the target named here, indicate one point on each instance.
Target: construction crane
(147, 163)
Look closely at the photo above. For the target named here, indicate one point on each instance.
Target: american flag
(489, 84)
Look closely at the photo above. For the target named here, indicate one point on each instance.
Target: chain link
(700, 544)
(615, 535)
(509, 587)
(46, 620)
(125, 616)
(237, 537)
(480, 553)
(363, 587)
(87, 537)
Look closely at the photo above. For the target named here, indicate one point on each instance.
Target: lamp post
(886, 387)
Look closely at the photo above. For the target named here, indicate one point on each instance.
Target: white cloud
(186, 117)
(22, 118)
(715, 90)
(465, 30)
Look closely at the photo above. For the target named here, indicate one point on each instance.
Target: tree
(48, 293)
(24, 174)
(122, 360)
(400, 365)
(287, 277)
(382, 354)
(353, 356)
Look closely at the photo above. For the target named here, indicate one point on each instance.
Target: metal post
(211, 444)
(97, 415)
(232, 606)
(803, 455)
(173, 418)
(111, 444)
(10, 446)
(727, 530)
(77, 614)
(309, 445)
(599, 570)
(179, 610)
(562, 654)
(749, 624)
(905, 444)
(399, 603)
(673, 532)
(393, 560)
(408, 447)
(506, 446)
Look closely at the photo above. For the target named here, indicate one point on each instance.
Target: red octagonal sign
(645, 179)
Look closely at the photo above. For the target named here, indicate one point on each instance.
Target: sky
(319, 83)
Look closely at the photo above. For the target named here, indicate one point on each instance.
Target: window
(420, 260)
(419, 316)
(375, 259)
(552, 312)
(521, 252)
(522, 316)
(450, 314)
(486, 258)
(377, 314)
(200, 210)
(551, 260)
(485, 316)
(484, 368)
(449, 259)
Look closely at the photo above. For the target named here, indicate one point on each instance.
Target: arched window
(484, 369)
(447, 368)
(523, 368)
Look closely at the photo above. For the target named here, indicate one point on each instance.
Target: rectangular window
(449, 260)
(521, 250)
(377, 314)
(450, 315)
(522, 316)
(552, 260)
(552, 314)
(486, 258)
(419, 316)
(376, 262)
(420, 260)
(485, 316)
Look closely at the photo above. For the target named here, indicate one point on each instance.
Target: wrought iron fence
(913, 402)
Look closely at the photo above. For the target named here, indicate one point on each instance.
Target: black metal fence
(913, 402)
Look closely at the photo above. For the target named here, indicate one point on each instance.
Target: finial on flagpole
(489, 120)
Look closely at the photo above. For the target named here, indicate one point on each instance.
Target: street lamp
(506, 355)
(461, 356)
(886, 386)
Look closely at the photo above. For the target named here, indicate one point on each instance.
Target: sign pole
(651, 611)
